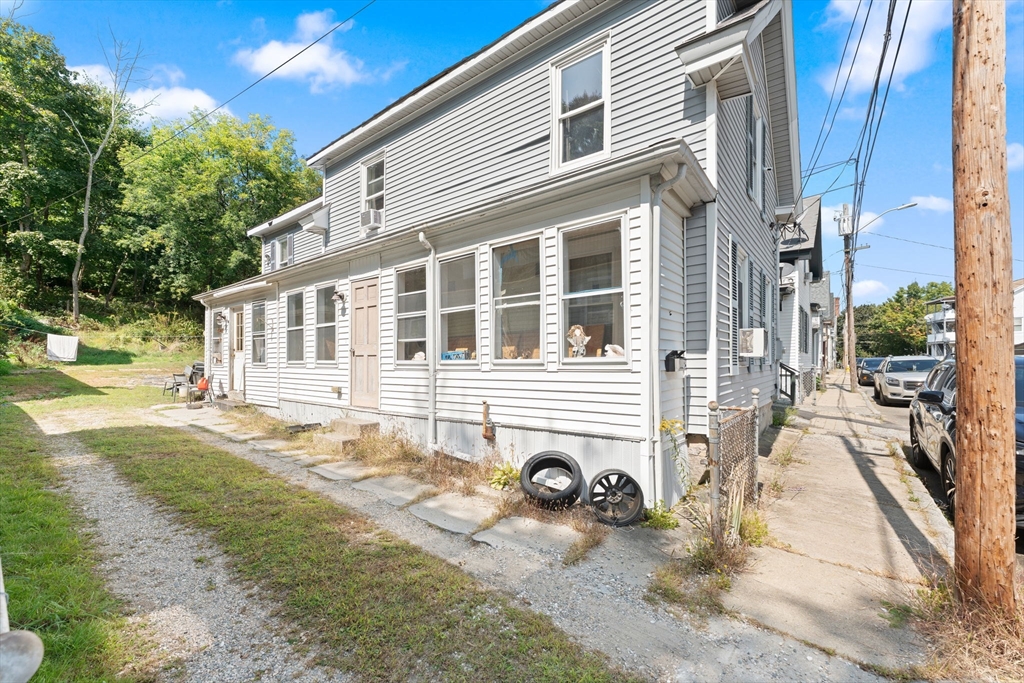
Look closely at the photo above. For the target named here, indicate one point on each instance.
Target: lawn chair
(176, 384)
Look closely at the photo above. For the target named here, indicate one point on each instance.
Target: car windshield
(917, 365)
(872, 363)
(1020, 383)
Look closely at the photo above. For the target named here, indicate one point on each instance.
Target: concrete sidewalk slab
(394, 490)
(346, 470)
(454, 512)
(308, 460)
(830, 606)
(271, 444)
(242, 436)
(520, 532)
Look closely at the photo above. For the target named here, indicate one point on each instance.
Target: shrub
(659, 517)
(504, 476)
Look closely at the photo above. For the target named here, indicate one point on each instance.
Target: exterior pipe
(431, 346)
(655, 320)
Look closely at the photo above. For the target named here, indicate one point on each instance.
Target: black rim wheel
(616, 498)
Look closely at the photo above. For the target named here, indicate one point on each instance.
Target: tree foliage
(897, 326)
(170, 204)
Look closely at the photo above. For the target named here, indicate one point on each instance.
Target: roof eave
(286, 218)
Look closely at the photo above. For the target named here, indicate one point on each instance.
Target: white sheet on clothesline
(59, 347)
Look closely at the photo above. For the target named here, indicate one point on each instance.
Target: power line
(900, 270)
(206, 115)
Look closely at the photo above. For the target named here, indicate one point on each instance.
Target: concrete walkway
(853, 529)
(601, 601)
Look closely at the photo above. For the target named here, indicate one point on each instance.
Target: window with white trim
(739, 313)
(259, 333)
(457, 308)
(592, 293)
(294, 328)
(582, 112)
(281, 252)
(373, 185)
(326, 335)
(217, 343)
(516, 300)
(411, 315)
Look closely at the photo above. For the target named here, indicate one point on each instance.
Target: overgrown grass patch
(50, 567)
(379, 606)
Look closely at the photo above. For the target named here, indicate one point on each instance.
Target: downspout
(655, 322)
(277, 342)
(431, 346)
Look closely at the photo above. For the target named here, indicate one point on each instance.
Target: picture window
(516, 297)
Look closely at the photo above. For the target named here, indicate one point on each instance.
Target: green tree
(190, 200)
(897, 326)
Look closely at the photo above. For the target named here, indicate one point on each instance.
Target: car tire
(616, 498)
(915, 456)
(877, 395)
(547, 496)
(882, 400)
(948, 476)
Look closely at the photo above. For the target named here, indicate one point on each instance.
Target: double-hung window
(281, 252)
(582, 111)
(259, 333)
(592, 294)
(516, 298)
(457, 307)
(373, 185)
(294, 328)
(325, 330)
(411, 316)
(217, 343)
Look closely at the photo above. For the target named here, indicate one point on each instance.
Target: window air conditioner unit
(371, 220)
(753, 342)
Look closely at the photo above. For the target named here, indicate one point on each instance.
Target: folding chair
(177, 383)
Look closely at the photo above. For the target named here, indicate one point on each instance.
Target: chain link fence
(733, 460)
(808, 385)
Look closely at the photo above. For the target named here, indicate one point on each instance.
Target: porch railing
(787, 382)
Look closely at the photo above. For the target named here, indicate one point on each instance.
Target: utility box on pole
(984, 465)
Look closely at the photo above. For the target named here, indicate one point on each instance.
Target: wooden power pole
(984, 517)
(846, 230)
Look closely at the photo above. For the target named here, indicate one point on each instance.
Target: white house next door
(365, 368)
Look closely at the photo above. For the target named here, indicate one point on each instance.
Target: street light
(851, 334)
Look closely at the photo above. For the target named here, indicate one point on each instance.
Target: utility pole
(984, 494)
(846, 230)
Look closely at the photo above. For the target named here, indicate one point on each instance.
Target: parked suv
(866, 370)
(899, 377)
(933, 430)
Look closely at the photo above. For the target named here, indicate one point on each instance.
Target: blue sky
(202, 53)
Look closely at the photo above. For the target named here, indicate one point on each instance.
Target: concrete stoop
(354, 427)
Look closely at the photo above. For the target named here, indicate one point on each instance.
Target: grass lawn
(49, 566)
(382, 608)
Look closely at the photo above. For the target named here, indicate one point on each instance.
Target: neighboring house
(940, 318)
(800, 265)
(539, 227)
(823, 323)
(1018, 316)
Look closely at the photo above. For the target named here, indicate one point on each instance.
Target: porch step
(227, 404)
(354, 427)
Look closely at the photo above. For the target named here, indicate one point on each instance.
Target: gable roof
(801, 239)
(538, 28)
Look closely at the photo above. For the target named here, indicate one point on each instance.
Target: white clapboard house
(539, 227)
(800, 269)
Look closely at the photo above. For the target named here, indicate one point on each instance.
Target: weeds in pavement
(378, 606)
(660, 517)
(782, 418)
(753, 529)
(504, 476)
(50, 566)
(896, 452)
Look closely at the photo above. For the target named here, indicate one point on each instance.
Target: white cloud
(1014, 156)
(933, 203)
(926, 19)
(869, 289)
(323, 66)
(166, 98)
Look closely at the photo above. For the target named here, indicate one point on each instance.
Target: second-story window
(582, 108)
(281, 252)
(373, 186)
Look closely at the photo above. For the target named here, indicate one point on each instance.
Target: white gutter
(286, 218)
(239, 289)
(431, 346)
(655, 324)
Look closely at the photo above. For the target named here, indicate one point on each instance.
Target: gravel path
(204, 626)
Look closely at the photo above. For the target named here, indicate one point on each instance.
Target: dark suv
(866, 370)
(933, 429)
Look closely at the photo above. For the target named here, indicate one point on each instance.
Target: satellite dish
(21, 653)
(793, 234)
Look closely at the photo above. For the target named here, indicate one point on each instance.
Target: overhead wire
(48, 206)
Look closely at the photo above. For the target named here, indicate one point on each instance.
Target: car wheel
(616, 498)
(552, 479)
(877, 396)
(949, 483)
(916, 456)
(882, 400)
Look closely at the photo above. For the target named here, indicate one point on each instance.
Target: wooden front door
(237, 366)
(365, 370)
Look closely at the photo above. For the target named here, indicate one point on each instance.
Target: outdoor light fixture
(338, 297)
(221, 318)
